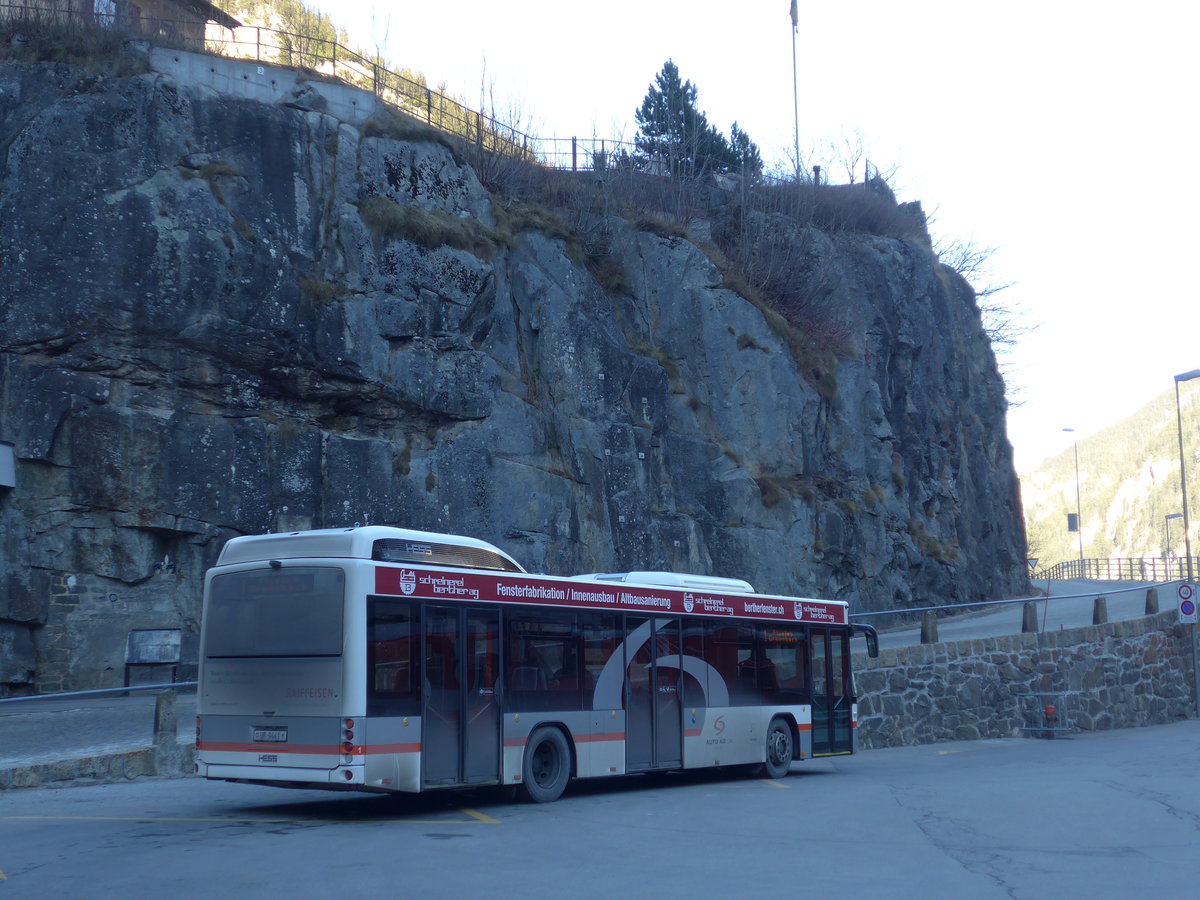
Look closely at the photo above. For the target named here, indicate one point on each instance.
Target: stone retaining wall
(1118, 675)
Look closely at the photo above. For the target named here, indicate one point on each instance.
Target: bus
(384, 659)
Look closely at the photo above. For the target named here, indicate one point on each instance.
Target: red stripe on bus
(804, 726)
(514, 742)
(693, 732)
(394, 748)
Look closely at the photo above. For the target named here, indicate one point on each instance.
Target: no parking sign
(1187, 604)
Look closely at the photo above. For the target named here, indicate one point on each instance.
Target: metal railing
(1151, 568)
(325, 58)
(61, 695)
(910, 615)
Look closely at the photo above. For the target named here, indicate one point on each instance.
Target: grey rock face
(201, 335)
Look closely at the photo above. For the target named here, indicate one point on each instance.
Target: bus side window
(600, 642)
(392, 685)
(544, 663)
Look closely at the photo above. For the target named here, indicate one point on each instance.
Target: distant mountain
(1128, 485)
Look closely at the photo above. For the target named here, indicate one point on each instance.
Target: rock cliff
(209, 327)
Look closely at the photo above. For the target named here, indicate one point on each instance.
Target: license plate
(270, 735)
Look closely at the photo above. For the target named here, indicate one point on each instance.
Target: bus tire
(546, 767)
(779, 749)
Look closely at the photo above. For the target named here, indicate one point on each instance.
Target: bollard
(1029, 618)
(1152, 601)
(167, 758)
(929, 633)
(1100, 611)
(164, 717)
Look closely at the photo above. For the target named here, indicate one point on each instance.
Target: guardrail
(174, 685)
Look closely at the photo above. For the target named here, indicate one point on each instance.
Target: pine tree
(745, 153)
(673, 130)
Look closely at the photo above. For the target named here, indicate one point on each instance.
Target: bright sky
(1060, 132)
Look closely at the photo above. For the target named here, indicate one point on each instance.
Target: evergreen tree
(672, 129)
(745, 155)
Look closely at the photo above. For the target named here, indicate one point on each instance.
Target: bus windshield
(275, 612)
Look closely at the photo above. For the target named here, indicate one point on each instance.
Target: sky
(1061, 134)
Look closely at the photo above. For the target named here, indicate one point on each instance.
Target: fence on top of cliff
(210, 30)
(319, 57)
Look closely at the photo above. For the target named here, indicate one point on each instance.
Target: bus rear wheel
(546, 767)
(779, 749)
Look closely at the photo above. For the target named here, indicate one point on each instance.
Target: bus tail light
(347, 748)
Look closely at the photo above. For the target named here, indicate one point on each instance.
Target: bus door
(461, 741)
(831, 692)
(653, 702)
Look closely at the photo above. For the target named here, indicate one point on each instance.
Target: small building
(182, 20)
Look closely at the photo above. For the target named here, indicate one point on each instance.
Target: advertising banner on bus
(445, 585)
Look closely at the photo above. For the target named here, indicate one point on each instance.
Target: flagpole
(795, 86)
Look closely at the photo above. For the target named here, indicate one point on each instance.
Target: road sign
(1187, 604)
(1033, 561)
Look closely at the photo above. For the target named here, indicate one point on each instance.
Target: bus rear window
(275, 612)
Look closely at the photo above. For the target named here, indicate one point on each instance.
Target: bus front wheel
(779, 749)
(547, 766)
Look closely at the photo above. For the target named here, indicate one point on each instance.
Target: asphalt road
(46, 730)
(1111, 814)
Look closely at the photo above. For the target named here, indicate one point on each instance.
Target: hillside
(1128, 484)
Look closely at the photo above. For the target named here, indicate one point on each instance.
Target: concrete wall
(266, 83)
(1122, 674)
(85, 642)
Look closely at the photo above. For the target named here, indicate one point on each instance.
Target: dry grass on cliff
(428, 228)
(37, 36)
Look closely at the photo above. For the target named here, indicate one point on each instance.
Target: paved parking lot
(1101, 815)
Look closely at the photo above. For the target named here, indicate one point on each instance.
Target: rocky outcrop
(221, 316)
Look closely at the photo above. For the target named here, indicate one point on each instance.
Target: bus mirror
(872, 636)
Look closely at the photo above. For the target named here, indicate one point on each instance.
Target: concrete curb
(149, 762)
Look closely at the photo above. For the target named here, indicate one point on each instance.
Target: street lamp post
(1078, 504)
(1187, 540)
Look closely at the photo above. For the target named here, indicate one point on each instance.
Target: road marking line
(752, 784)
(485, 819)
(476, 819)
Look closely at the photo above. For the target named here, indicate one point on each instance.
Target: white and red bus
(382, 659)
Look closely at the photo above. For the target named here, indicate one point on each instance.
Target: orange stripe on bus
(693, 732)
(305, 749)
(394, 748)
(805, 726)
(593, 738)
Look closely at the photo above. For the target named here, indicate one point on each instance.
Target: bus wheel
(546, 767)
(779, 749)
